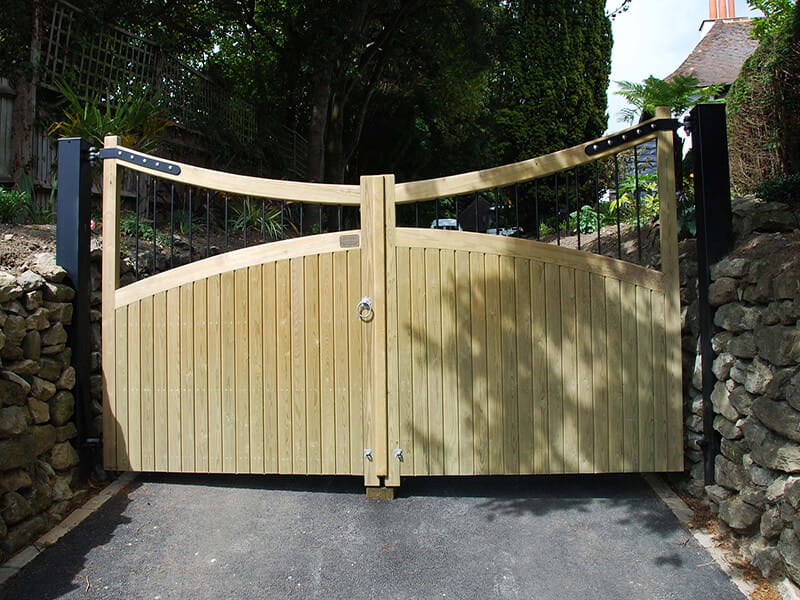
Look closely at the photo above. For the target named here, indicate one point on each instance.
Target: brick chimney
(721, 9)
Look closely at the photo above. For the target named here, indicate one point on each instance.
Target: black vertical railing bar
(301, 219)
(637, 199)
(536, 207)
(283, 220)
(436, 212)
(597, 204)
(516, 206)
(416, 214)
(566, 199)
(578, 208)
(208, 223)
(497, 207)
(619, 206)
(339, 217)
(226, 222)
(321, 211)
(245, 202)
(155, 236)
(475, 204)
(558, 215)
(171, 225)
(458, 225)
(263, 221)
(188, 213)
(136, 233)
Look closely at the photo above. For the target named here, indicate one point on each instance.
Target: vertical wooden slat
(134, 388)
(187, 378)
(160, 416)
(390, 324)
(478, 341)
(228, 369)
(256, 385)
(433, 337)
(356, 375)
(509, 378)
(660, 420)
(616, 413)
(174, 379)
(121, 397)
(569, 369)
(585, 388)
(524, 331)
(327, 355)
(644, 337)
(494, 363)
(109, 330)
(630, 379)
(555, 402)
(341, 314)
(312, 361)
(299, 440)
(405, 387)
(242, 362)
(668, 230)
(599, 372)
(146, 382)
(464, 388)
(270, 354)
(541, 455)
(284, 365)
(450, 396)
(201, 432)
(419, 357)
(215, 389)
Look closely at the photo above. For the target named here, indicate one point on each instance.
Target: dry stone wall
(38, 455)
(755, 291)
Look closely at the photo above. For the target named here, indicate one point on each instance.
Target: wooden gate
(389, 351)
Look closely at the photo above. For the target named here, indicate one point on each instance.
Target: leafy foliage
(781, 189)
(253, 215)
(679, 95)
(11, 204)
(777, 21)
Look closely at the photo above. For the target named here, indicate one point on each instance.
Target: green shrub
(781, 189)
(12, 202)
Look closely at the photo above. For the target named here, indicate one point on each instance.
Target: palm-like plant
(679, 94)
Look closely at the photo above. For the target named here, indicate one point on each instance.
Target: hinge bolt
(398, 453)
(368, 453)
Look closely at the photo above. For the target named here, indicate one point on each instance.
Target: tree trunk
(317, 128)
(24, 110)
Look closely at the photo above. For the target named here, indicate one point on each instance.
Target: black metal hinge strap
(135, 158)
(632, 135)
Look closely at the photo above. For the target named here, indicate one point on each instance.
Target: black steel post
(714, 241)
(73, 213)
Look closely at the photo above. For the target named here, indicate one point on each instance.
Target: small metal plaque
(348, 241)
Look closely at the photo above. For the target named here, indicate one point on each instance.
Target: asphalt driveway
(208, 537)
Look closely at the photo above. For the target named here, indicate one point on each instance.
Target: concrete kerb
(25, 556)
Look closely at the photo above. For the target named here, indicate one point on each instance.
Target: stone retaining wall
(38, 459)
(755, 291)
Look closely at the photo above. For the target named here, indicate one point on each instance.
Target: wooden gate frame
(378, 198)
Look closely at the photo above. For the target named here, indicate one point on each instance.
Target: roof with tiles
(719, 56)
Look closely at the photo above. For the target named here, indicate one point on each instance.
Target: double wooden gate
(389, 351)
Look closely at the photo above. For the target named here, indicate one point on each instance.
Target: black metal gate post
(73, 214)
(714, 241)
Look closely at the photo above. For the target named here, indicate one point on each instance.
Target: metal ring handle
(364, 308)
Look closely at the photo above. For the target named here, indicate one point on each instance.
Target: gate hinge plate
(130, 156)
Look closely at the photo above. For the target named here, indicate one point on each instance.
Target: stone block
(13, 389)
(32, 345)
(51, 272)
(50, 369)
(14, 329)
(792, 492)
(765, 557)
(730, 475)
(778, 416)
(14, 507)
(739, 515)
(44, 438)
(778, 344)
(754, 496)
(61, 489)
(737, 317)
(761, 476)
(9, 289)
(67, 379)
(58, 292)
(62, 407)
(787, 284)
(66, 432)
(64, 456)
(55, 335)
(23, 534)
(41, 389)
(41, 497)
(729, 267)
(38, 320)
(14, 480)
(59, 311)
(776, 489)
(789, 547)
(40, 411)
(733, 450)
(13, 421)
(728, 429)
(771, 450)
(741, 400)
(721, 366)
(720, 398)
(33, 300)
(759, 376)
(717, 493)
(25, 367)
(30, 281)
(722, 291)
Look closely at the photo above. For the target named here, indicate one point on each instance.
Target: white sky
(653, 38)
